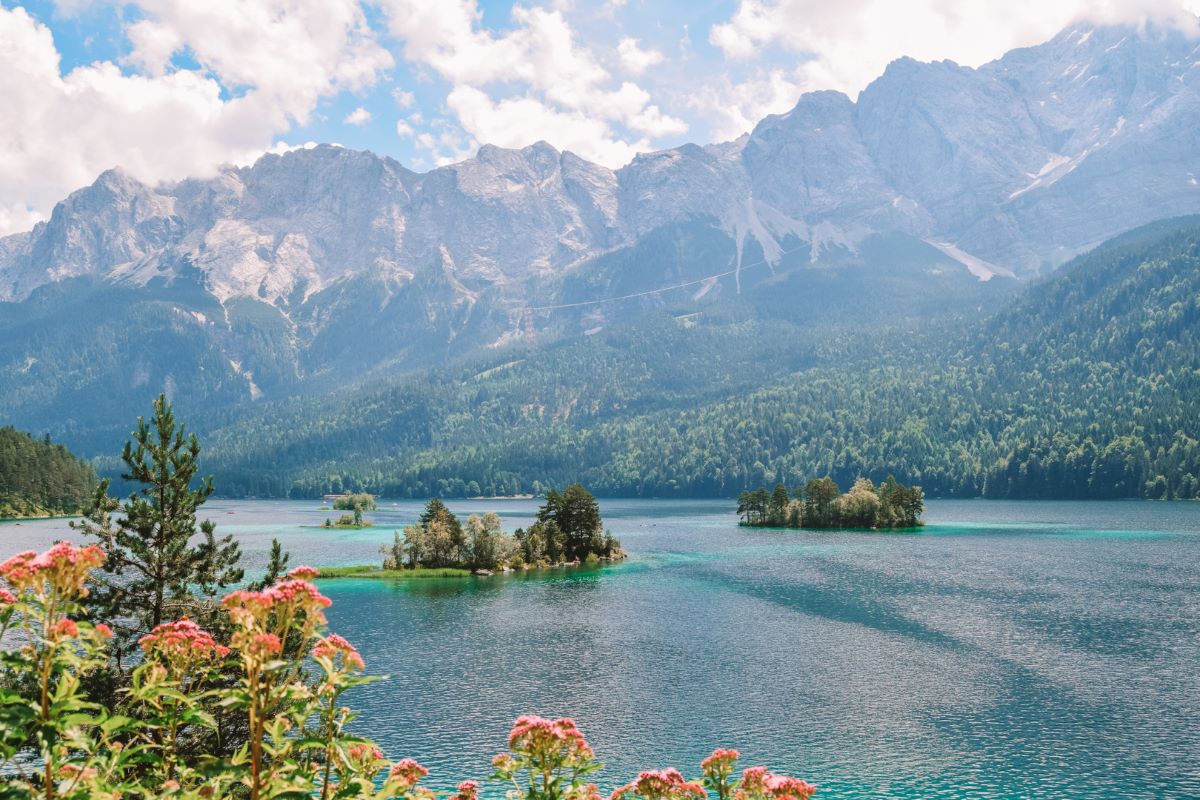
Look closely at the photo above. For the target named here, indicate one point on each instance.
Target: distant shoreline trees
(820, 504)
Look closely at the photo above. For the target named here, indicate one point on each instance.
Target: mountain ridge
(313, 270)
(961, 156)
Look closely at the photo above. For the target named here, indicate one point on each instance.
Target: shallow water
(1010, 649)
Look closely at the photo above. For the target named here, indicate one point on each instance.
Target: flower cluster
(364, 757)
(721, 761)
(326, 651)
(666, 784)
(181, 644)
(541, 737)
(759, 784)
(718, 772)
(63, 568)
(547, 760)
(405, 773)
(265, 618)
(285, 597)
(467, 790)
(303, 573)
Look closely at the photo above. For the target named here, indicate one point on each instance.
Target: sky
(167, 89)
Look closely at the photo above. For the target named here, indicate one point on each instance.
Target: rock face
(1016, 165)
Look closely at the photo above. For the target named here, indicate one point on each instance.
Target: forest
(1085, 385)
(39, 478)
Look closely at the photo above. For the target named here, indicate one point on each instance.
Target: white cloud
(538, 68)
(403, 98)
(153, 45)
(512, 123)
(634, 58)
(404, 130)
(359, 116)
(736, 108)
(849, 43)
(263, 71)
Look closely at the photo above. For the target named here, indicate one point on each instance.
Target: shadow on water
(831, 602)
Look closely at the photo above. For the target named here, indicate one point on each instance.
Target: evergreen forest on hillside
(39, 478)
(1086, 385)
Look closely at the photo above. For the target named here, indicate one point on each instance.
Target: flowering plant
(56, 742)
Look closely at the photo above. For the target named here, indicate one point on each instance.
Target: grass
(369, 571)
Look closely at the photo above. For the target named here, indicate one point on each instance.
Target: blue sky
(167, 89)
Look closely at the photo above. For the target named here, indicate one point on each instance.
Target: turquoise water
(1009, 650)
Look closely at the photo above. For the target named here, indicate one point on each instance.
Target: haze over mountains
(320, 266)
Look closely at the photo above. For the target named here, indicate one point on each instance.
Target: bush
(298, 744)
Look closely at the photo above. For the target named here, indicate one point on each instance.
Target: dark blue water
(1009, 650)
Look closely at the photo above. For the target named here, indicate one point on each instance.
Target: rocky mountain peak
(1020, 164)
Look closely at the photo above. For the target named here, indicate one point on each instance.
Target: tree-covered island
(820, 504)
(568, 530)
(356, 504)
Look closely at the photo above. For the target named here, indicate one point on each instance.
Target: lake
(1008, 650)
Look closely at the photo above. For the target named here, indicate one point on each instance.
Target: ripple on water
(1014, 650)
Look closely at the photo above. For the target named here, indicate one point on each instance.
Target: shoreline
(41, 517)
(425, 573)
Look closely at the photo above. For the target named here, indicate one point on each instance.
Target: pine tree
(276, 568)
(154, 572)
(576, 515)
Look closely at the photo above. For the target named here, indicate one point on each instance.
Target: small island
(821, 505)
(355, 503)
(568, 531)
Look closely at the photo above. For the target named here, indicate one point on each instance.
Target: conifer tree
(576, 515)
(155, 571)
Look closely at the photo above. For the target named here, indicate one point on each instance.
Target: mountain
(1085, 385)
(319, 268)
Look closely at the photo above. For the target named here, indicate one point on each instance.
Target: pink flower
(77, 772)
(783, 787)
(7, 598)
(64, 566)
(720, 759)
(587, 792)
(304, 573)
(753, 779)
(264, 644)
(103, 630)
(291, 591)
(65, 629)
(406, 773)
(667, 784)
(182, 643)
(534, 734)
(252, 601)
(363, 756)
(467, 790)
(17, 570)
(720, 763)
(333, 645)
